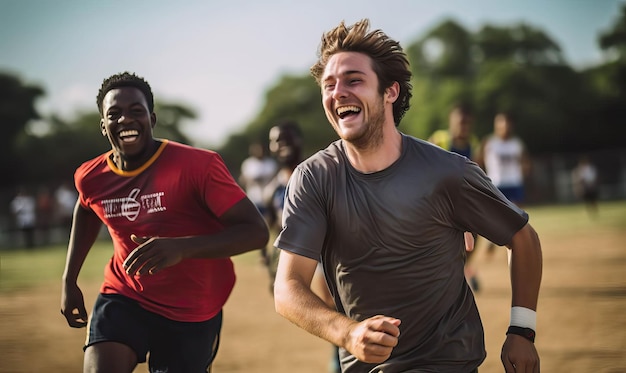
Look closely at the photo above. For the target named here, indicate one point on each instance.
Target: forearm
(301, 306)
(231, 241)
(85, 229)
(526, 268)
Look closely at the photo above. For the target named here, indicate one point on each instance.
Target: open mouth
(347, 111)
(129, 135)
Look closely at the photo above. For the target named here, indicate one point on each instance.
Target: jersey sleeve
(481, 208)
(221, 191)
(304, 217)
(81, 175)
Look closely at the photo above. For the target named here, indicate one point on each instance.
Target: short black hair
(125, 79)
(289, 125)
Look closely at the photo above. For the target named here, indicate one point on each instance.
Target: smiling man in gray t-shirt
(386, 213)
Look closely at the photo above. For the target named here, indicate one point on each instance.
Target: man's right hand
(372, 340)
(73, 306)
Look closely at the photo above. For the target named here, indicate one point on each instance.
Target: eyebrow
(347, 73)
(117, 107)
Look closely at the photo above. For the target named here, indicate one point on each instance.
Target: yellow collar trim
(139, 170)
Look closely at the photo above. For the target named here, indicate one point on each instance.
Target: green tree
(606, 90)
(613, 40)
(522, 44)
(442, 62)
(446, 50)
(170, 117)
(516, 68)
(17, 109)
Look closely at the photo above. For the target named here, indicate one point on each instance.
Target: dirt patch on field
(580, 325)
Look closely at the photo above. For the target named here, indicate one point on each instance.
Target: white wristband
(523, 317)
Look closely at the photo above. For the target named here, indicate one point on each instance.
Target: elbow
(256, 234)
(533, 237)
(527, 241)
(280, 301)
(262, 235)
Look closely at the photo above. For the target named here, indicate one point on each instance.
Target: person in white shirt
(585, 184)
(256, 172)
(505, 159)
(24, 208)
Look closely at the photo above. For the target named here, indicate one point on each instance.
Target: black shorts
(174, 346)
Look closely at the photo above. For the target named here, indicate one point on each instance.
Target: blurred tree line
(518, 68)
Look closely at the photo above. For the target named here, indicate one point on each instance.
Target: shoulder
(425, 148)
(89, 166)
(173, 146)
(433, 159)
(190, 155)
(331, 157)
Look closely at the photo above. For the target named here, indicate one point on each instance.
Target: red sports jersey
(180, 191)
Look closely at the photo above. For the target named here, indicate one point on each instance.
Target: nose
(123, 118)
(339, 91)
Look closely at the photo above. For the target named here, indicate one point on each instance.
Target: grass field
(23, 269)
(581, 314)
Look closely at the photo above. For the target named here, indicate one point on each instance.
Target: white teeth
(344, 109)
(129, 133)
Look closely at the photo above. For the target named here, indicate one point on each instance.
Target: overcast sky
(219, 57)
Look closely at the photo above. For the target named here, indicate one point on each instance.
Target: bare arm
(371, 340)
(526, 271)
(526, 267)
(85, 228)
(244, 230)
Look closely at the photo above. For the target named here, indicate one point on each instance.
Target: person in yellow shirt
(458, 138)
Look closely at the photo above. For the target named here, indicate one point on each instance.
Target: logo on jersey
(130, 207)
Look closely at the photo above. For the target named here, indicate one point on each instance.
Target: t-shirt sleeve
(304, 221)
(221, 191)
(482, 209)
(79, 176)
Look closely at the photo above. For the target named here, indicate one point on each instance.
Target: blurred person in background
(505, 160)
(256, 171)
(65, 197)
(585, 184)
(285, 144)
(175, 215)
(459, 138)
(385, 213)
(45, 213)
(24, 209)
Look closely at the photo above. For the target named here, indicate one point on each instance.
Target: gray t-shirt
(391, 243)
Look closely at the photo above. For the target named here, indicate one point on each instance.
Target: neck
(134, 162)
(378, 157)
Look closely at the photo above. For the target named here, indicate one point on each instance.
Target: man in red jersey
(175, 215)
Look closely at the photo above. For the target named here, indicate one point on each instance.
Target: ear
(103, 129)
(392, 92)
(153, 119)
